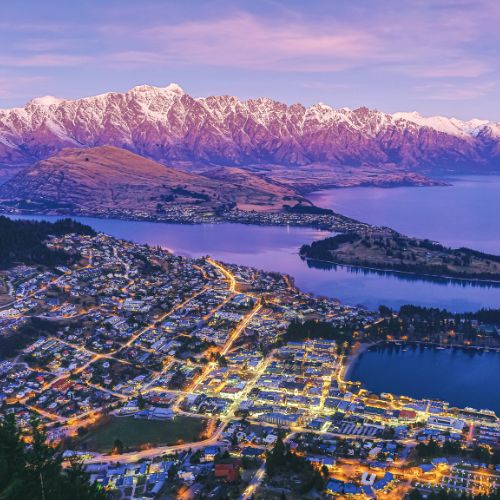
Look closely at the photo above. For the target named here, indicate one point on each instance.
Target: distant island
(388, 250)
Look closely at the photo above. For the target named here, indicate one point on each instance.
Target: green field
(134, 433)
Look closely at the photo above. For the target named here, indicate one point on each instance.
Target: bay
(463, 377)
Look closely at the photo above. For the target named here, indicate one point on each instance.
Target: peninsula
(388, 250)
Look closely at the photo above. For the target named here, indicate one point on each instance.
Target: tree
(141, 402)
(276, 458)
(279, 448)
(35, 472)
(430, 450)
(415, 495)
(324, 471)
(78, 486)
(11, 456)
(234, 439)
(385, 311)
(24, 241)
(43, 464)
(117, 447)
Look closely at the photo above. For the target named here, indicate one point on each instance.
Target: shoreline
(197, 220)
(353, 357)
(428, 343)
(494, 283)
(351, 360)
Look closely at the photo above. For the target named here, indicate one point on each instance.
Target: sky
(433, 56)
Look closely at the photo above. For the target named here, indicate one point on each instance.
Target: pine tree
(35, 472)
(11, 456)
(117, 447)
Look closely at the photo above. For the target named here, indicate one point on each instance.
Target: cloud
(436, 49)
(12, 87)
(34, 27)
(455, 92)
(246, 41)
(459, 69)
(44, 60)
(419, 41)
(41, 44)
(425, 39)
(312, 85)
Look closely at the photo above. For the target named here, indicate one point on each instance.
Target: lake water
(463, 377)
(464, 214)
(276, 249)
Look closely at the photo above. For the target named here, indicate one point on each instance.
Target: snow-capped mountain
(168, 125)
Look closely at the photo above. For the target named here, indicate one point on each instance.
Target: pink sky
(434, 56)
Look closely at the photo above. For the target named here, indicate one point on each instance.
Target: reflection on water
(464, 377)
(405, 276)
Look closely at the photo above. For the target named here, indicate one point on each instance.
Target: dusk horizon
(434, 58)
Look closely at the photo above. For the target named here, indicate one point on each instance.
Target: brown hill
(106, 177)
(253, 191)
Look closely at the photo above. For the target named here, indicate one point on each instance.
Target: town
(171, 377)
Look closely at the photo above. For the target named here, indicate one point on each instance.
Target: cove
(465, 213)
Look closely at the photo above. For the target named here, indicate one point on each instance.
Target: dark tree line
(418, 322)
(435, 314)
(32, 329)
(321, 249)
(307, 209)
(23, 241)
(280, 460)
(452, 448)
(396, 246)
(35, 472)
(311, 329)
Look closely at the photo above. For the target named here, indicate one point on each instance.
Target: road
(259, 475)
(225, 272)
(214, 439)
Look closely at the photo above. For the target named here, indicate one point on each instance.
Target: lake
(276, 249)
(463, 377)
(467, 213)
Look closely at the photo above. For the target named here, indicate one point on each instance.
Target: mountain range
(169, 126)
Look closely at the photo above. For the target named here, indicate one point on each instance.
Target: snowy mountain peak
(451, 126)
(145, 89)
(175, 88)
(48, 100)
(168, 125)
